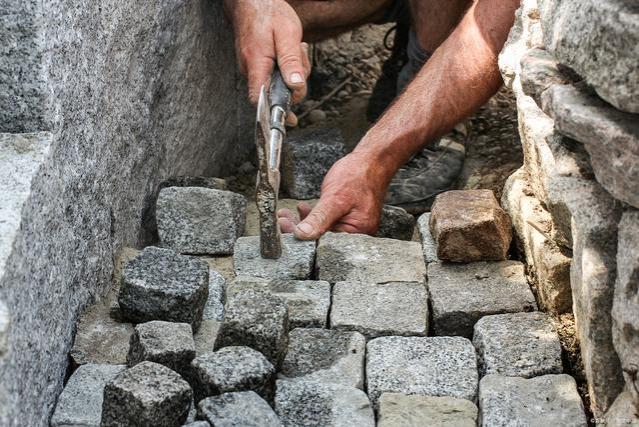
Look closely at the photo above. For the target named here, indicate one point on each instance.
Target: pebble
(239, 409)
(396, 223)
(396, 409)
(296, 261)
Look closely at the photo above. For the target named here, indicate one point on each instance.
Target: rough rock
(195, 181)
(396, 223)
(469, 225)
(306, 157)
(429, 246)
(166, 343)
(296, 261)
(308, 300)
(258, 320)
(160, 284)
(325, 356)
(196, 220)
(357, 257)
(396, 409)
(316, 403)
(80, 403)
(462, 294)
(433, 366)
(545, 400)
(240, 409)
(379, 309)
(517, 345)
(232, 369)
(214, 307)
(623, 412)
(146, 394)
(540, 70)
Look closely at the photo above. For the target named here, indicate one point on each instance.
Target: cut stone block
(241, 409)
(146, 394)
(380, 309)
(232, 369)
(545, 400)
(296, 261)
(258, 320)
(196, 220)
(396, 223)
(469, 225)
(462, 294)
(357, 257)
(517, 345)
(432, 366)
(322, 404)
(306, 157)
(166, 343)
(160, 284)
(429, 246)
(308, 300)
(325, 356)
(80, 403)
(396, 409)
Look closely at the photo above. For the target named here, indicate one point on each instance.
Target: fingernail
(305, 228)
(297, 78)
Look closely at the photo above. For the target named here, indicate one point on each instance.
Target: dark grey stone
(296, 261)
(240, 409)
(166, 343)
(396, 223)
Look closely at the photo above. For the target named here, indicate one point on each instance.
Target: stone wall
(573, 67)
(99, 102)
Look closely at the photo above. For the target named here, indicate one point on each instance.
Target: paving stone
(623, 412)
(517, 345)
(325, 356)
(375, 310)
(296, 261)
(357, 257)
(396, 409)
(258, 320)
(166, 343)
(239, 409)
(429, 246)
(462, 294)
(80, 403)
(146, 394)
(232, 369)
(160, 284)
(539, 401)
(214, 307)
(469, 225)
(308, 300)
(396, 223)
(315, 403)
(306, 157)
(196, 220)
(432, 366)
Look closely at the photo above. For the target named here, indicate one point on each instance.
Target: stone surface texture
(357, 257)
(396, 409)
(240, 409)
(623, 411)
(166, 343)
(396, 223)
(214, 307)
(429, 246)
(296, 261)
(379, 309)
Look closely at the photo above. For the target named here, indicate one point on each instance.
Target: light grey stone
(214, 307)
(296, 261)
(432, 366)
(195, 181)
(396, 223)
(517, 345)
(623, 412)
(232, 369)
(197, 424)
(357, 257)
(378, 309)
(80, 403)
(539, 401)
(317, 403)
(239, 409)
(325, 356)
(396, 409)
(166, 343)
(540, 70)
(429, 246)
(5, 325)
(206, 336)
(462, 294)
(160, 284)
(196, 220)
(146, 394)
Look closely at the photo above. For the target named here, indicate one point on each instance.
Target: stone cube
(469, 225)
(517, 345)
(396, 409)
(196, 220)
(362, 258)
(160, 284)
(296, 261)
(315, 403)
(539, 401)
(258, 320)
(395, 308)
(431, 366)
(429, 246)
(232, 369)
(241, 409)
(146, 394)
(325, 356)
(80, 403)
(461, 294)
(396, 223)
(166, 343)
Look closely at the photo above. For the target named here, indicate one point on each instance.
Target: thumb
(320, 220)
(291, 62)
